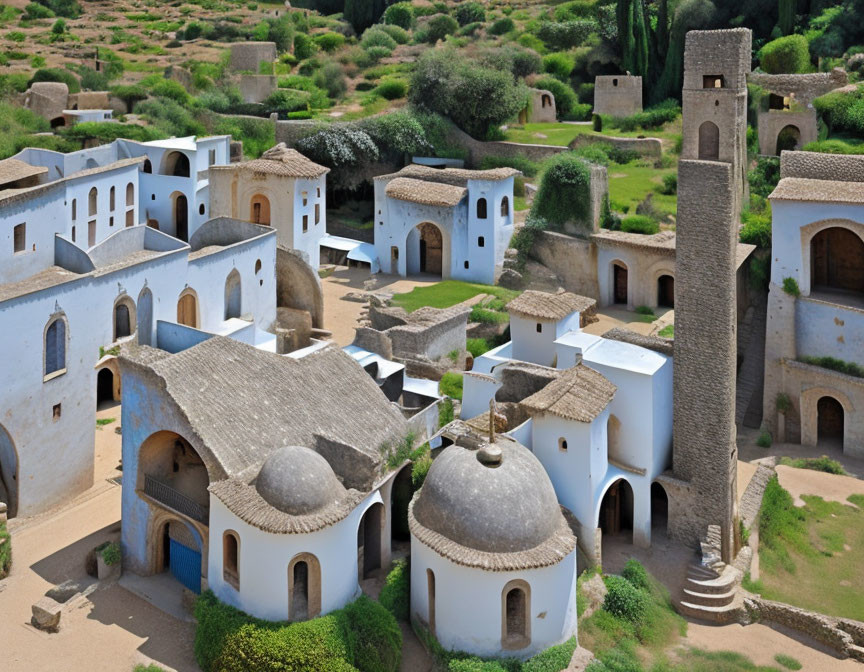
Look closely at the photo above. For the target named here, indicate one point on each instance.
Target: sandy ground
(830, 487)
(611, 317)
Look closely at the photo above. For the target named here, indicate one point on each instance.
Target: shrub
(783, 403)
(553, 659)
(469, 29)
(396, 32)
(331, 79)
(168, 88)
(59, 27)
(524, 62)
(377, 37)
(635, 573)
(670, 184)
(469, 12)
(756, 229)
(823, 463)
(129, 94)
(392, 89)
(440, 27)
(523, 240)
(786, 55)
(565, 97)
(16, 36)
(849, 368)
(377, 53)
(5, 551)
(597, 123)
(68, 8)
(764, 177)
(420, 468)
(559, 65)
(564, 35)
(56, 75)
(401, 14)
(451, 385)
(788, 662)
(445, 417)
(398, 132)
(111, 554)
(304, 46)
(374, 637)
(651, 117)
(526, 166)
(501, 26)
(564, 190)
(764, 439)
(790, 286)
(625, 600)
(37, 11)
(843, 110)
(639, 224)
(395, 594)
(579, 112)
(330, 41)
(475, 664)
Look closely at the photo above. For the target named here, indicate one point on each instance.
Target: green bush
(756, 229)
(525, 166)
(35, 11)
(849, 368)
(564, 191)
(786, 55)
(790, 286)
(168, 88)
(625, 600)
(597, 123)
(565, 97)
(5, 551)
(330, 41)
(843, 110)
(401, 14)
(421, 467)
(376, 36)
(564, 35)
(639, 224)
(477, 346)
(835, 146)
(331, 78)
(16, 36)
(470, 12)
(111, 554)
(469, 29)
(395, 594)
(287, 100)
(670, 184)
(764, 439)
(501, 26)
(59, 27)
(553, 659)
(68, 8)
(56, 75)
(440, 27)
(823, 463)
(475, 664)
(579, 112)
(781, 524)
(559, 65)
(788, 662)
(304, 46)
(451, 385)
(374, 637)
(635, 573)
(392, 89)
(651, 117)
(396, 32)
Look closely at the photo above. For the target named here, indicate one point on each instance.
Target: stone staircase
(710, 595)
(751, 345)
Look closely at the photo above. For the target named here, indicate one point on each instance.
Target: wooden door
(187, 311)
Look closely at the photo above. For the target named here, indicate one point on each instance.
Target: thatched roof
(457, 177)
(818, 191)
(425, 193)
(579, 394)
(546, 306)
(664, 241)
(280, 160)
(12, 170)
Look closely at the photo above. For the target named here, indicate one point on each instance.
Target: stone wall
(249, 55)
(298, 285)
(89, 100)
(648, 148)
(617, 95)
(180, 75)
(542, 108)
(573, 260)
(256, 88)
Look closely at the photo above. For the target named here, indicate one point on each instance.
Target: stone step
(710, 599)
(725, 614)
(727, 581)
(855, 652)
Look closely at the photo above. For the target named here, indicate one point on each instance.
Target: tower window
(713, 82)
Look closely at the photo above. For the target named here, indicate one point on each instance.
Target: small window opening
(56, 411)
(19, 234)
(481, 242)
(539, 327)
(201, 209)
(305, 223)
(562, 444)
(712, 82)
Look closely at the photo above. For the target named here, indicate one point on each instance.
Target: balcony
(164, 494)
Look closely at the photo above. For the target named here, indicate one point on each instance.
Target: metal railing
(165, 494)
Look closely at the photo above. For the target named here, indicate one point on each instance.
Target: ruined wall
(617, 95)
(89, 100)
(771, 122)
(542, 107)
(648, 148)
(249, 55)
(573, 260)
(256, 88)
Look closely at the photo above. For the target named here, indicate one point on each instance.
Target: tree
(786, 55)
(363, 13)
(786, 16)
(689, 15)
(633, 36)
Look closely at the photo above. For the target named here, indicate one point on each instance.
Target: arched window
(836, 256)
(55, 346)
(91, 201)
(231, 558)
(505, 207)
(74, 208)
(257, 266)
(147, 167)
(187, 309)
(122, 321)
(613, 438)
(515, 615)
(430, 588)
(481, 208)
(176, 164)
(130, 194)
(112, 196)
(709, 141)
(562, 444)
(260, 209)
(304, 587)
(232, 295)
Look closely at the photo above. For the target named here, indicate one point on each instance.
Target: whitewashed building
(449, 222)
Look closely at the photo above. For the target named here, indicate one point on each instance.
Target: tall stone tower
(711, 185)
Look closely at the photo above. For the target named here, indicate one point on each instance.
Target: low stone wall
(647, 148)
(573, 260)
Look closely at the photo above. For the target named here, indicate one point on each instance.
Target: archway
(837, 260)
(145, 317)
(176, 164)
(304, 587)
(619, 283)
(122, 319)
(830, 420)
(659, 507)
(8, 473)
(57, 122)
(515, 615)
(180, 553)
(666, 291)
(545, 100)
(187, 309)
(430, 598)
(259, 209)
(400, 497)
(369, 540)
(616, 510)
(788, 138)
(181, 216)
(431, 248)
(146, 167)
(233, 296)
(104, 387)
(709, 141)
(171, 473)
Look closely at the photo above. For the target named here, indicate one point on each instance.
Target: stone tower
(711, 185)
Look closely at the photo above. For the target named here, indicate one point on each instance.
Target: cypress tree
(786, 17)
(640, 39)
(624, 16)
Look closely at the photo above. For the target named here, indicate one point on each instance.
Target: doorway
(666, 291)
(431, 249)
(616, 509)
(181, 218)
(830, 419)
(369, 541)
(619, 284)
(104, 387)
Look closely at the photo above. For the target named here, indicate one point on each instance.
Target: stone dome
(486, 501)
(298, 481)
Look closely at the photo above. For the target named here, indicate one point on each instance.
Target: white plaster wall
(263, 562)
(530, 346)
(310, 242)
(605, 274)
(79, 190)
(44, 218)
(826, 329)
(477, 392)
(468, 603)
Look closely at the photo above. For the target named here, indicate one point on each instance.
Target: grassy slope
(448, 293)
(629, 184)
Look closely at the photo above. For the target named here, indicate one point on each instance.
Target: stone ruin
(248, 56)
(47, 99)
(617, 95)
(541, 109)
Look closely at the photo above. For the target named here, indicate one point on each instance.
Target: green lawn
(563, 134)
(448, 293)
(810, 557)
(630, 183)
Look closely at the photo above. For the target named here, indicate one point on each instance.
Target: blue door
(185, 565)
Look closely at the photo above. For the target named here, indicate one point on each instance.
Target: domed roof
(489, 501)
(298, 481)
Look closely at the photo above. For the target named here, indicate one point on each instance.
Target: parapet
(726, 53)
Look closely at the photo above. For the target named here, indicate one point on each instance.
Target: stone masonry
(247, 56)
(617, 95)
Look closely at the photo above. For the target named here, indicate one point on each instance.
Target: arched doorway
(57, 122)
(788, 138)
(837, 260)
(515, 615)
(104, 387)
(666, 291)
(181, 216)
(187, 309)
(180, 551)
(400, 497)
(259, 209)
(830, 420)
(145, 317)
(616, 510)
(659, 507)
(545, 100)
(619, 283)
(122, 319)
(304, 587)
(369, 541)
(8, 473)
(431, 248)
(709, 141)
(430, 597)
(146, 167)
(233, 296)
(176, 164)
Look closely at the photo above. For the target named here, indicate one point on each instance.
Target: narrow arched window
(122, 324)
(516, 615)
(112, 195)
(505, 207)
(74, 208)
(130, 194)
(147, 167)
(231, 558)
(481, 208)
(55, 346)
(91, 201)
